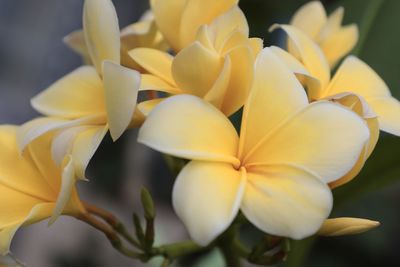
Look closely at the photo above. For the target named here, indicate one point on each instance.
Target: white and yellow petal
(76, 41)
(19, 173)
(37, 213)
(286, 201)
(155, 62)
(168, 16)
(324, 138)
(101, 32)
(121, 86)
(357, 77)
(78, 94)
(180, 126)
(346, 226)
(85, 145)
(310, 54)
(207, 198)
(196, 68)
(276, 85)
(310, 18)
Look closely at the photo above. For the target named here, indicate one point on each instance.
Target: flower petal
(155, 62)
(31, 130)
(199, 12)
(241, 79)
(152, 82)
(101, 31)
(207, 198)
(224, 25)
(357, 77)
(63, 141)
(291, 62)
(39, 212)
(286, 201)
(373, 126)
(346, 226)
(39, 153)
(19, 173)
(121, 86)
(180, 126)
(78, 94)
(339, 43)
(310, 18)
(147, 106)
(218, 92)
(76, 41)
(67, 185)
(324, 138)
(276, 85)
(388, 110)
(168, 15)
(195, 69)
(310, 55)
(84, 147)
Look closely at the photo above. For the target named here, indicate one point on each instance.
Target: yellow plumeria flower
(276, 172)
(143, 33)
(346, 226)
(218, 66)
(179, 20)
(334, 39)
(32, 187)
(354, 85)
(85, 104)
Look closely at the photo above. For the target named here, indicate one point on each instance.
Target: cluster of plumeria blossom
(302, 132)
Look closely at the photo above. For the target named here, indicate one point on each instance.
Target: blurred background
(32, 56)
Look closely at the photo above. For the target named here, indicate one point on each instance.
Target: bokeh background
(32, 56)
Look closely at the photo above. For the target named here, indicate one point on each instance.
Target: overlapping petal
(32, 183)
(18, 173)
(241, 79)
(334, 39)
(199, 12)
(226, 24)
(276, 85)
(38, 213)
(121, 86)
(310, 18)
(78, 94)
(196, 68)
(155, 62)
(311, 56)
(168, 16)
(357, 77)
(85, 145)
(101, 32)
(324, 138)
(188, 127)
(286, 201)
(207, 198)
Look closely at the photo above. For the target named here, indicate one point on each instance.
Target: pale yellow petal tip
(274, 26)
(346, 226)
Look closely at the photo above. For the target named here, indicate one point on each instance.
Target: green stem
(109, 218)
(176, 250)
(300, 250)
(368, 18)
(231, 247)
(111, 235)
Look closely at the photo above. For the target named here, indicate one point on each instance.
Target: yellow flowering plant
(303, 132)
